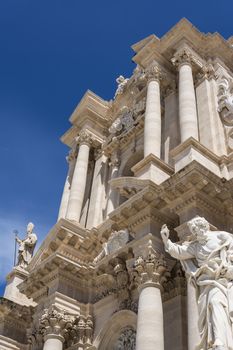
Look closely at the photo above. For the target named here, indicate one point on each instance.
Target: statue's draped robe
(26, 249)
(209, 268)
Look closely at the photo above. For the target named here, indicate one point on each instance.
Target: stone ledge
(191, 150)
(152, 168)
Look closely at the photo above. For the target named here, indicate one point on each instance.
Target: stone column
(187, 100)
(150, 334)
(97, 200)
(112, 196)
(53, 326)
(152, 124)
(66, 192)
(78, 184)
(192, 309)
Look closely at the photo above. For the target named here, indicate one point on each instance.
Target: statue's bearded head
(198, 227)
(30, 227)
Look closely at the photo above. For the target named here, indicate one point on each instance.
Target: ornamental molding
(207, 72)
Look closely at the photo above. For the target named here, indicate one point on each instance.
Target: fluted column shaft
(187, 98)
(150, 319)
(152, 124)
(78, 185)
(112, 196)
(66, 191)
(150, 271)
(53, 342)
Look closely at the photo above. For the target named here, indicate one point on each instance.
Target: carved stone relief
(126, 340)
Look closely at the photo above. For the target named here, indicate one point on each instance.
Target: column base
(152, 168)
(191, 150)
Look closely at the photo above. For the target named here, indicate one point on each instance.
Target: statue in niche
(208, 262)
(26, 246)
(121, 81)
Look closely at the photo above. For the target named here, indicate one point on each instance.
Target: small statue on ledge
(26, 247)
(208, 262)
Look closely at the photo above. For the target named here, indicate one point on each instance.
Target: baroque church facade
(161, 151)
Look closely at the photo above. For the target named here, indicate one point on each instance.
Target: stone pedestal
(14, 278)
(192, 150)
(78, 185)
(152, 168)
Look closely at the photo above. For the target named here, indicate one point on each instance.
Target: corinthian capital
(55, 322)
(84, 138)
(183, 56)
(151, 269)
(153, 72)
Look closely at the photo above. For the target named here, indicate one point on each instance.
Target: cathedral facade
(161, 151)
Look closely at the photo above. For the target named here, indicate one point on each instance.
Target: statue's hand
(165, 233)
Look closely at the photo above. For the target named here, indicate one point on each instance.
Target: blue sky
(51, 52)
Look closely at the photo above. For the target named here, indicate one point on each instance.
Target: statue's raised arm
(207, 260)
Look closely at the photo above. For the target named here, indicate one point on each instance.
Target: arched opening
(119, 333)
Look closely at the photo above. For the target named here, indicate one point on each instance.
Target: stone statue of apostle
(208, 262)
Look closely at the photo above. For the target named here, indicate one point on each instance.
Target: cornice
(206, 45)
